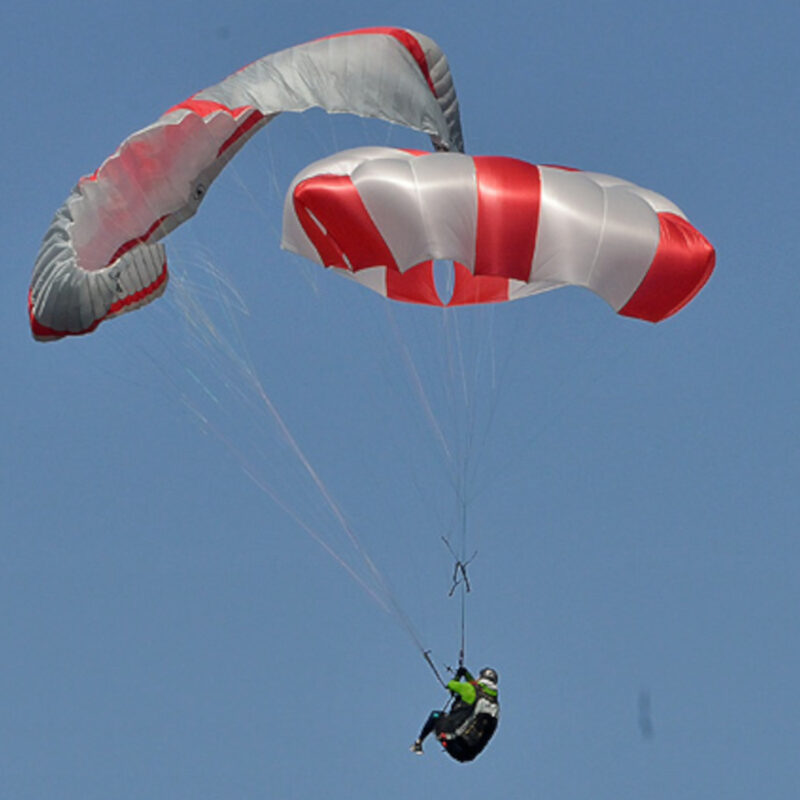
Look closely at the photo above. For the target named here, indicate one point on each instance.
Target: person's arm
(466, 691)
(463, 672)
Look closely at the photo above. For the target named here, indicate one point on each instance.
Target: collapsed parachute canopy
(100, 256)
(513, 229)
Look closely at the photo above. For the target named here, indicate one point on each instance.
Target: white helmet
(488, 674)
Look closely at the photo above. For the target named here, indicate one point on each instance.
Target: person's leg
(427, 728)
(429, 725)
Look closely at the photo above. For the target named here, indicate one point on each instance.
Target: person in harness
(466, 729)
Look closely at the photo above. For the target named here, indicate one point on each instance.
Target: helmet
(488, 674)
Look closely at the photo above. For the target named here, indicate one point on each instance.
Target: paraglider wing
(381, 216)
(101, 254)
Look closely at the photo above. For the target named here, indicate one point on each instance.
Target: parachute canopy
(101, 256)
(381, 216)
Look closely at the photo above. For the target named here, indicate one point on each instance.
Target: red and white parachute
(381, 216)
(101, 256)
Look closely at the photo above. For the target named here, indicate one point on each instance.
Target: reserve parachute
(381, 216)
(101, 255)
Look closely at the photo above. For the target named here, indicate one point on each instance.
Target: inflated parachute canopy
(101, 255)
(513, 229)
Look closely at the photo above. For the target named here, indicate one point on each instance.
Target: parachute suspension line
(419, 389)
(287, 509)
(461, 582)
(574, 381)
(263, 148)
(462, 387)
(377, 575)
(221, 350)
(458, 453)
(243, 186)
(460, 579)
(465, 359)
(456, 461)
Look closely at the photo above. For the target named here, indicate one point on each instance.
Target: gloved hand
(461, 672)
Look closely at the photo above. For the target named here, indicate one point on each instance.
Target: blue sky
(169, 631)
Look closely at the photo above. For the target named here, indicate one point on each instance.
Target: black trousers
(437, 721)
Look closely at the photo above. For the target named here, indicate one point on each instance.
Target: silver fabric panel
(371, 75)
(449, 202)
(70, 300)
(629, 240)
(373, 278)
(656, 201)
(389, 191)
(424, 207)
(445, 89)
(519, 289)
(599, 237)
(570, 224)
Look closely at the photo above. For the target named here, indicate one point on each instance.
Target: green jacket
(467, 691)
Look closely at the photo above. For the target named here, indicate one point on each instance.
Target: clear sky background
(167, 630)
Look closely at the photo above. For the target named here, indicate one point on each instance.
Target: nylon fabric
(508, 217)
(158, 177)
(512, 229)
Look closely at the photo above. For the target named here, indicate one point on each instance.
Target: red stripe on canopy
(682, 264)
(509, 194)
(338, 224)
(131, 243)
(470, 289)
(415, 285)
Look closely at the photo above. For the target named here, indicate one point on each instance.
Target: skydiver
(466, 729)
